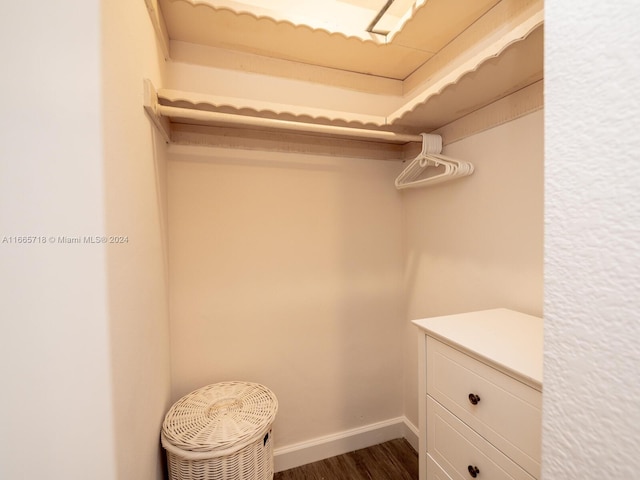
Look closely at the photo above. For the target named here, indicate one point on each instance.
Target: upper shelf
(452, 57)
(431, 26)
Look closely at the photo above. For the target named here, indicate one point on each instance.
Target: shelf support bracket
(151, 107)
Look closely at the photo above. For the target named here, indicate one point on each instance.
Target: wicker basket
(221, 432)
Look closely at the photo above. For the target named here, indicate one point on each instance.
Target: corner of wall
(135, 217)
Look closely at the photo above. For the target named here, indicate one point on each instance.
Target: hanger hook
(430, 144)
(425, 137)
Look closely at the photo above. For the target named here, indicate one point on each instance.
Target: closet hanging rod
(231, 119)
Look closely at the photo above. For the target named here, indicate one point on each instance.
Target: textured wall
(592, 241)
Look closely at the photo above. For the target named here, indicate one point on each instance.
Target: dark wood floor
(393, 460)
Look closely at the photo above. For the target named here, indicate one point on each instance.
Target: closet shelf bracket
(151, 107)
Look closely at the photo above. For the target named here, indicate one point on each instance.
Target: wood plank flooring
(393, 460)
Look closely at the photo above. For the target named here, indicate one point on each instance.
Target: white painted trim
(344, 442)
(411, 433)
(159, 25)
(150, 105)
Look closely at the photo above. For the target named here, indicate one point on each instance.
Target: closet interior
(299, 245)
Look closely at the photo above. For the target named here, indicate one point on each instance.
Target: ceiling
(350, 17)
(327, 33)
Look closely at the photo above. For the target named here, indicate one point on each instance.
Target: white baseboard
(411, 433)
(344, 442)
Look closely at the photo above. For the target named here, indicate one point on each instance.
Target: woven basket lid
(220, 417)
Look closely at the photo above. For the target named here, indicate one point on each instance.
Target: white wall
(57, 417)
(591, 408)
(137, 271)
(84, 337)
(476, 242)
(286, 270)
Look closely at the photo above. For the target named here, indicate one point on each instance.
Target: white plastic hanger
(447, 168)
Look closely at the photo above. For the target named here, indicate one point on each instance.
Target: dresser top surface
(509, 340)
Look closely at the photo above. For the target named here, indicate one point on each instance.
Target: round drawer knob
(473, 470)
(474, 399)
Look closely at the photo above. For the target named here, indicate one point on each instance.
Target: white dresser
(480, 392)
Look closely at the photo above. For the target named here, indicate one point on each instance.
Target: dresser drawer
(456, 448)
(508, 413)
(434, 471)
